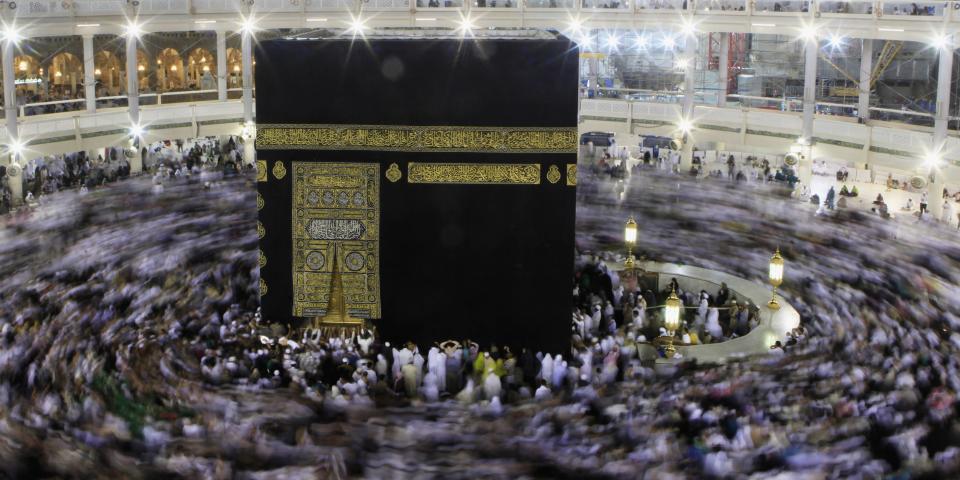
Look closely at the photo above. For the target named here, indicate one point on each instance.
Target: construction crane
(889, 52)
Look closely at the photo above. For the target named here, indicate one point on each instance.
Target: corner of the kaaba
(439, 176)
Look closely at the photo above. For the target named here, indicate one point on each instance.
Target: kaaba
(436, 177)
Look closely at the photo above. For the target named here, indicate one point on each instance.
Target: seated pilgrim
(879, 200)
(909, 205)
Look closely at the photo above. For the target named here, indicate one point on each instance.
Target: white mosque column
(812, 47)
(246, 56)
(690, 67)
(89, 77)
(246, 60)
(14, 174)
(944, 77)
(133, 82)
(866, 70)
(9, 90)
(221, 65)
(724, 69)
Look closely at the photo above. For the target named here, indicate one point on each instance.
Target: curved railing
(774, 324)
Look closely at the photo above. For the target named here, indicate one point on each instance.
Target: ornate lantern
(630, 238)
(776, 278)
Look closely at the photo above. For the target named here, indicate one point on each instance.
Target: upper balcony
(899, 19)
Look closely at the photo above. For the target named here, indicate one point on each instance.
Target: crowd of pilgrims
(82, 172)
(131, 346)
(614, 161)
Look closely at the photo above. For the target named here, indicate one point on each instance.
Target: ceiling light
(357, 27)
(685, 125)
(688, 28)
(15, 147)
(669, 42)
(836, 41)
(612, 42)
(890, 29)
(808, 32)
(764, 24)
(932, 160)
(134, 30)
(466, 26)
(425, 19)
(575, 25)
(940, 41)
(204, 22)
(136, 131)
(682, 63)
(248, 25)
(82, 25)
(316, 19)
(641, 42)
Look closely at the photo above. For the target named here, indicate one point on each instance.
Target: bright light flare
(466, 26)
(685, 125)
(669, 42)
(612, 42)
(12, 34)
(133, 30)
(16, 147)
(932, 160)
(249, 26)
(136, 131)
(682, 63)
(836, 41)
(940, 41)
(357, 27)
(575, 26)
(808, 32)
(642, 42)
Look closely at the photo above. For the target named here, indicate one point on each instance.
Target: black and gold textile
(442, 175)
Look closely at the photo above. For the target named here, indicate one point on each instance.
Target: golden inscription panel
(474, 173)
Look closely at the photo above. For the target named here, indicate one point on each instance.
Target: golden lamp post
(776, 278)
(671, 321)
(630, 238)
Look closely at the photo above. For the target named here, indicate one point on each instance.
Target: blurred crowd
(131, 346)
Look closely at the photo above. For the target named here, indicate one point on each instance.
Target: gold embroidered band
(474, 173)
(417, 139)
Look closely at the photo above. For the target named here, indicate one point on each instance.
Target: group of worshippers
(201, 153)
(53, 173)
(636, 311)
